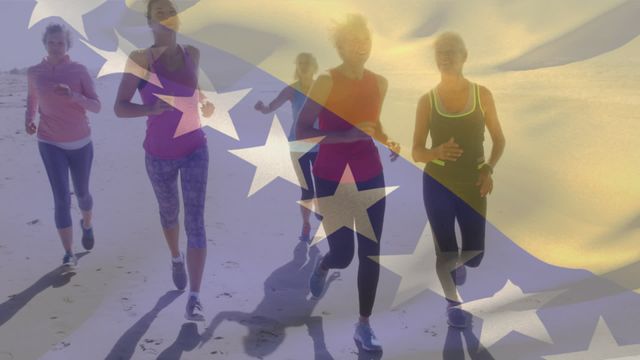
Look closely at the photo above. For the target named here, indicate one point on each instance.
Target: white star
(273, 159)
(189, 106)
(118, 61)
(224, 102)
(70, 11)
(418, 271)
(502, 315)
(603, 346)
(347, 208)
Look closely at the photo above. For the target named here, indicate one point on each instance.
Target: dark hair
(55, 28)
(150, 4)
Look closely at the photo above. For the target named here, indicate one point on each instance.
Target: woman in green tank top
(457, 177)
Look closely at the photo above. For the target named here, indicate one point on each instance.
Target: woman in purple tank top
(174, 143)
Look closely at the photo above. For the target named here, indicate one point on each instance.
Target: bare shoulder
(193, 51)
(324, 80)
(424, 100)
(485, 93)
(139, 57)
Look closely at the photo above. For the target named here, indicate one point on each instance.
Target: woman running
(457, 178)
(168, 151)
(347, 102)
(62, 91)
(296, 93)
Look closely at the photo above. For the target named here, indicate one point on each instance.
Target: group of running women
(342, 105)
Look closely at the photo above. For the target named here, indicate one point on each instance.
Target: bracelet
(486, 167)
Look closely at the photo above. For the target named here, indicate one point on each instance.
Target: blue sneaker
(367, 339)
(458, 318)
(87, 237)
(460, 275)
(69, 260)
(194, 310)
(179, 273)
(318, 279)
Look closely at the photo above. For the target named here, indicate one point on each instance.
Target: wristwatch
(486, 167)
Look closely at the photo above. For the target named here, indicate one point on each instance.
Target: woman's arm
(493, 125)
(285, 95)
(448, 151)
(206, 106)
(314, 104)
(32, 104)
(485, 181)
(123, 106)
(88, 99)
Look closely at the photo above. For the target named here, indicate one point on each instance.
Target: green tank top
(467, 130)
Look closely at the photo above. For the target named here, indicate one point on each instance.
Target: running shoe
(460, 275)
(367, 339)
(179, 273)
(87, 237)
(194, 310)
(458, 318)
(318, 279)
(70, 260)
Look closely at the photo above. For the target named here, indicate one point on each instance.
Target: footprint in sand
(61, 345)
(148, 346)
(230, 265)
(128, 306)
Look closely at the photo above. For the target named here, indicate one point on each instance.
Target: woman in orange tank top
(347, 102)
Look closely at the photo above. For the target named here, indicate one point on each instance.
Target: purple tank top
(159, 140)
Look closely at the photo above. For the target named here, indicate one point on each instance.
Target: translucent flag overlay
(558, 279)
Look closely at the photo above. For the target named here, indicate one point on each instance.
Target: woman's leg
(163, 175)
(471, 210)
(57, 166)
(341, 242)
(369, 269)
(193, 175)
(440, 205)
(305, 178)
(80, 165)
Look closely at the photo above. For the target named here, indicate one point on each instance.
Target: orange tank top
(350, 102)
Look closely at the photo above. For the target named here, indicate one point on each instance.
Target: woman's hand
(159, 107)
(395, 149)
(485, 182)
(62, 90)
(367, 127)
(207, 108)
(260, 106)
(30, 127)
(449, 151)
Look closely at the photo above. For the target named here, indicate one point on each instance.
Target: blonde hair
(308, 56)
(350, 24)
(450, 37)
(55, 28)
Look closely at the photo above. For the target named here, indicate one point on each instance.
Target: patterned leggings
(193, 170)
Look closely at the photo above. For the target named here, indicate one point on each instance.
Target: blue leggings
(58, 163)
(463, 204)
(193, 169)
(341, 244)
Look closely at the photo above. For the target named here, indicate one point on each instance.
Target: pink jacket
(62, 119)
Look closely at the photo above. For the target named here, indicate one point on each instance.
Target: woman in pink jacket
(62, 91)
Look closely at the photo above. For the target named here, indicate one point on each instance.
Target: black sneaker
(70, 260)
(194, 310)
(87, 237)
(179, 273)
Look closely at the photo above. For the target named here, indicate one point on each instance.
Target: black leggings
(463, 204)
(306, 162)
(341, 244)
